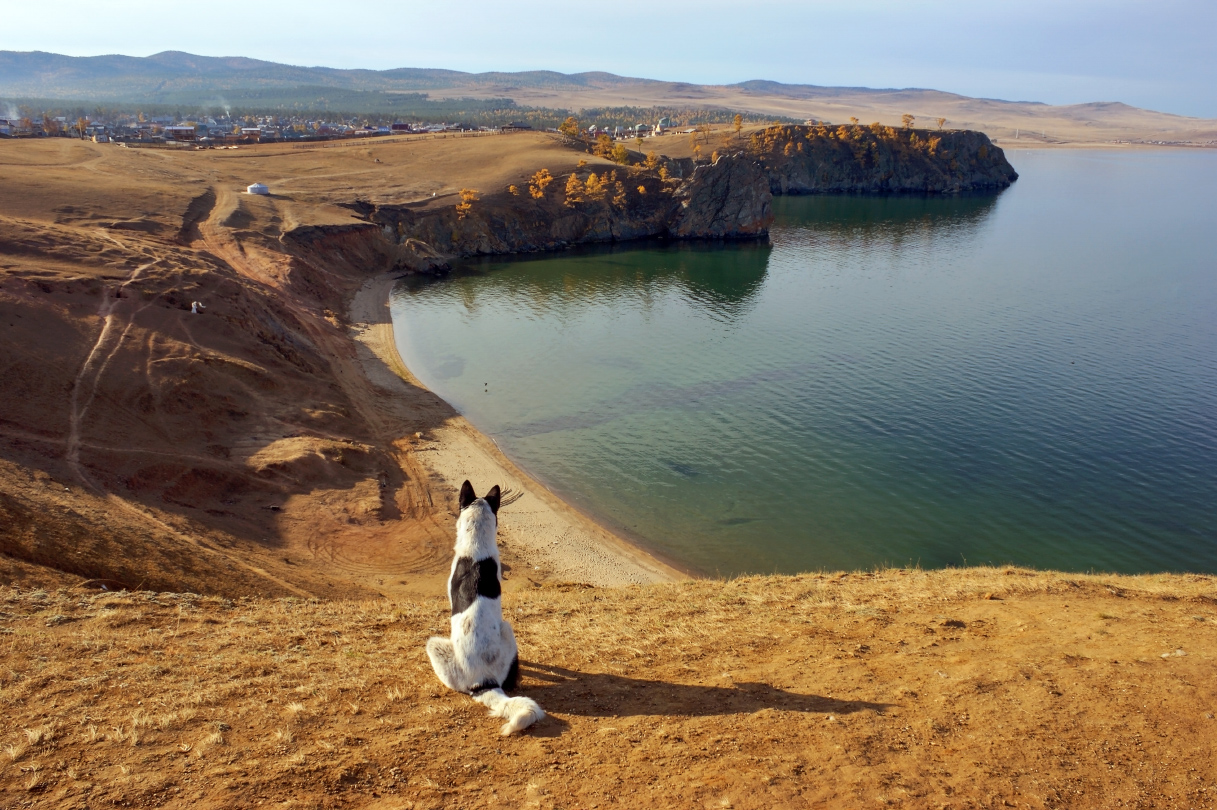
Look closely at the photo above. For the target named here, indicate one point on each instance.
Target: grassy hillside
(969, 688)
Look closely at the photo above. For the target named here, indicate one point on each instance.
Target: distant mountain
(176, 78)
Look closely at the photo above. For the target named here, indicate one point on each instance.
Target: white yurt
(258, 188)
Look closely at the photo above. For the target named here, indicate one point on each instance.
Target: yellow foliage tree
(595, 187)
(652, 161)
(513, 191)
(574, 190)
(642, 189)
(620, 154)
(941, 121)
(618, 194)
(540, 180)
(737, 123)
(468, 198)
(569, 127)
(907, 121)
(603, 147)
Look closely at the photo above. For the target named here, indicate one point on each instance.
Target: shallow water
(1026, 378)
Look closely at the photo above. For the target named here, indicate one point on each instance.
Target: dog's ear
(492, 498)
(467, 496)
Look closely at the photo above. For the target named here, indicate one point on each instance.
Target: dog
(480, 658)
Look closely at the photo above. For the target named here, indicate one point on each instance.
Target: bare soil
(274, 445)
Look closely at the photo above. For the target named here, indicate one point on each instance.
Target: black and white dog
(480, 659)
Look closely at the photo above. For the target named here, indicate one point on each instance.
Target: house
(515, 126)
(180, 133)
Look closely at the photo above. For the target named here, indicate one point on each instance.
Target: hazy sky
(1160, 54)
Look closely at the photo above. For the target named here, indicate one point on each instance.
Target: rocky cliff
(726, 198)
(729, 199)
(878, 159)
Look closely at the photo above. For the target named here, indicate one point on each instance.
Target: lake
(1027, 377)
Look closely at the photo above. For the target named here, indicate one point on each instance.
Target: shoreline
(547, 537)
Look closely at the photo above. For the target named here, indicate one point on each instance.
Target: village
(207, 131)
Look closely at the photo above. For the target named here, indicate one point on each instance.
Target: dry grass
(902, 686)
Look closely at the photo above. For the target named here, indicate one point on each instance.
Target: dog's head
(491, 498)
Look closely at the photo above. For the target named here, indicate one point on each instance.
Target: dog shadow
(587, 694)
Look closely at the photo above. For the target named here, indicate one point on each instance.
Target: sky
(1159, 54)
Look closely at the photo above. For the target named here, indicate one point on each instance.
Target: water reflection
(719, 279)
(882, 217)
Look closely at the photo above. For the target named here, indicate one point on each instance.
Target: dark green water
(1028, 378)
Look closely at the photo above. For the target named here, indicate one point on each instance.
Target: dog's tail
(519, 712)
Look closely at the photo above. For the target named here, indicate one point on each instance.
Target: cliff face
(729, 199)
(878, 159)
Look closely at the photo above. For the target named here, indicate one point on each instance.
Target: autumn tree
(907, 121)
(81, 125)
(536, 186)
(853, 120)
(652, 161)
(569, 127)
(618, 194)
(941, 121)
(595, 186)
(638, 140)
(604, 146)
(737, 123)
(620, 154)
(513, 191)
(574, 190)
(468, 198)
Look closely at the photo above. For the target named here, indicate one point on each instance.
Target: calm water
(1026, 378)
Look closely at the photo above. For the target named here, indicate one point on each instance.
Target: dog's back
(480, 658)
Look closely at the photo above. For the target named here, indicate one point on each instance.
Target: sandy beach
(542, 537)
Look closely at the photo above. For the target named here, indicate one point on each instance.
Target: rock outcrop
(727, 199)
(876, 159)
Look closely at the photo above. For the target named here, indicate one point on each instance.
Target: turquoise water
(1025, 378)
